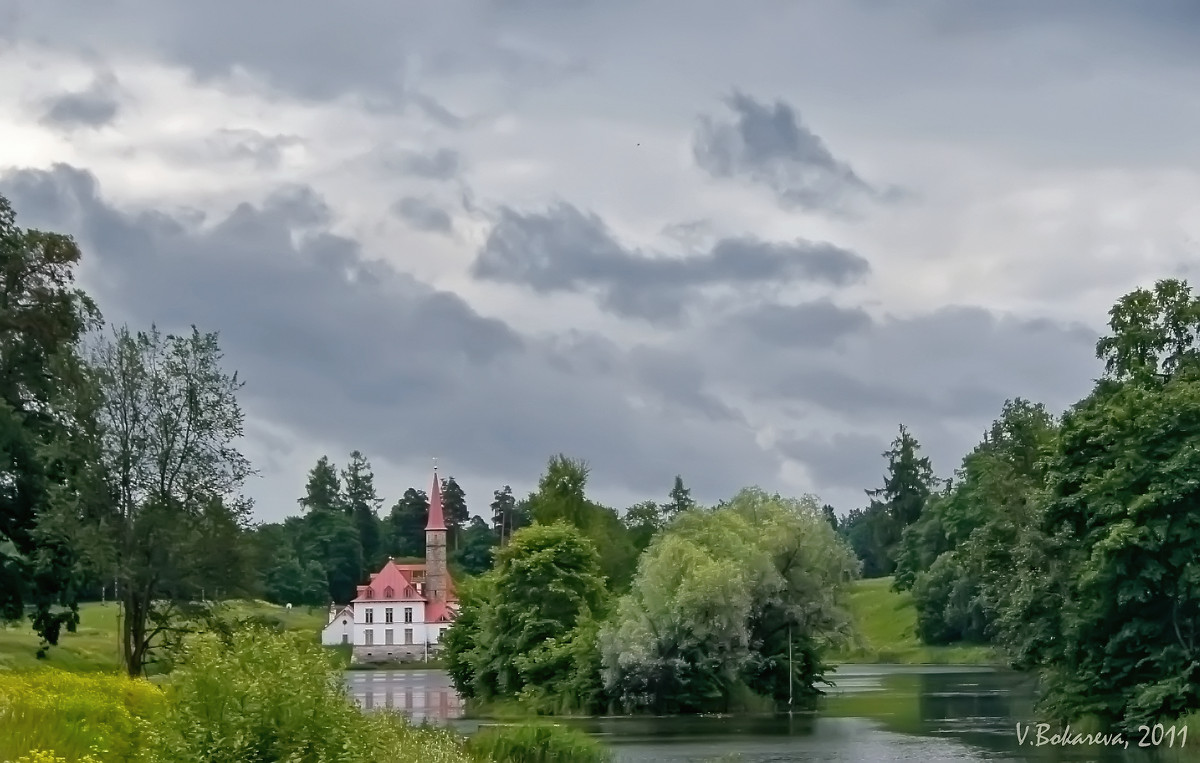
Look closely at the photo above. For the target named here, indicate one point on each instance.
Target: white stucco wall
(333, 633)
(379, 627)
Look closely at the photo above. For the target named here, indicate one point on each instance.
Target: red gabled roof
(393, 578)
(438, 612)
(436, 520)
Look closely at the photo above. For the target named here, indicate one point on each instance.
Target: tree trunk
(133, 633)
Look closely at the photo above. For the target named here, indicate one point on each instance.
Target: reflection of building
(402, 611)
(420, 695)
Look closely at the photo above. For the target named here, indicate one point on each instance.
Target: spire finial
(435, 463)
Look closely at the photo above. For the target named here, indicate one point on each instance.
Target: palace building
(402, 611)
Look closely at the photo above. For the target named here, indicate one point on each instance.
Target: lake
(874, 713)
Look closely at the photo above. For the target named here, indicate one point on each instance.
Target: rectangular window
(387, 615)
(370, 615)
(370, 636)
(408, 635)
(387, 636)
(408, 614)
(345, 638)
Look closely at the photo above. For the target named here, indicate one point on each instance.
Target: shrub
(536, 743)
(262, 697)
(49, 714)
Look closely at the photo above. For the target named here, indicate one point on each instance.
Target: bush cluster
(256, 697)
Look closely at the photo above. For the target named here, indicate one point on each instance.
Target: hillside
(887, 628)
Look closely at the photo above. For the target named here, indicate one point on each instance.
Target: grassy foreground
(93, 647)
(887, 628)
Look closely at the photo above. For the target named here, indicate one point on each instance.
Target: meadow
(93, 646)
(886, 622)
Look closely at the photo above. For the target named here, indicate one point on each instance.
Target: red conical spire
(436, 520)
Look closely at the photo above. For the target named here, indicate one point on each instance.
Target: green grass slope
(93, 647)
(886, 622)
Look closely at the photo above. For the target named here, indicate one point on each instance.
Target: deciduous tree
(171, 424)
(50, 489)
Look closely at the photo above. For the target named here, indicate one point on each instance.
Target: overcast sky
(740, 242)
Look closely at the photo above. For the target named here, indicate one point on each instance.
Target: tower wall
(435, 565)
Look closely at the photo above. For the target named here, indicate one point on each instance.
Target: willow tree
(744, 596)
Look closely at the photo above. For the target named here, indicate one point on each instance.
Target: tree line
(322, 554)
(700, 609)
(1069, 542)
(121, 477)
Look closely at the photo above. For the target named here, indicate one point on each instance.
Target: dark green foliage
(362, 503)
(1075, 547)
(331, 539)
(536, 743)
(454, 509)
(560, 494)
(47, 427)
(523, 627)
(1122, 513)
(869, 532)
(508, 514)
(561, 497)
(459, 640)
(830, 516)
(875, 533)
(323, 492)
(502, 507)
(404, 527)
(474, 554)
(290, 582)
(680, 500)
(958, 556)
(643, 522)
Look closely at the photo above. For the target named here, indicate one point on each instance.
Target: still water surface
(874, 713)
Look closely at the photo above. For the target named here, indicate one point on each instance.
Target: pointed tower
(436, 574)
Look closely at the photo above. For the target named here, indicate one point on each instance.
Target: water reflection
(882, 713)
(420, 694)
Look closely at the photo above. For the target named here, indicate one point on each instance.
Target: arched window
(370, 593)
(388, 592)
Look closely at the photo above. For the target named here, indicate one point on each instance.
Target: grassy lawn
(887, 626)
(93, 647)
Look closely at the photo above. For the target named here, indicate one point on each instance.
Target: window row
(387, 615)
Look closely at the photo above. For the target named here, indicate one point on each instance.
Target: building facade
(402, 611)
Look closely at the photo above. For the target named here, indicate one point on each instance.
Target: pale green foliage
(263, 697)
(537, 743)
(268, 697)
(389, 738)
(714, 599)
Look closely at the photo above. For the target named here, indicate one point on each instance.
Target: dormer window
(370, 593)
(389, 593)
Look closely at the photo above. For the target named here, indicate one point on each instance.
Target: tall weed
(49, 713)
